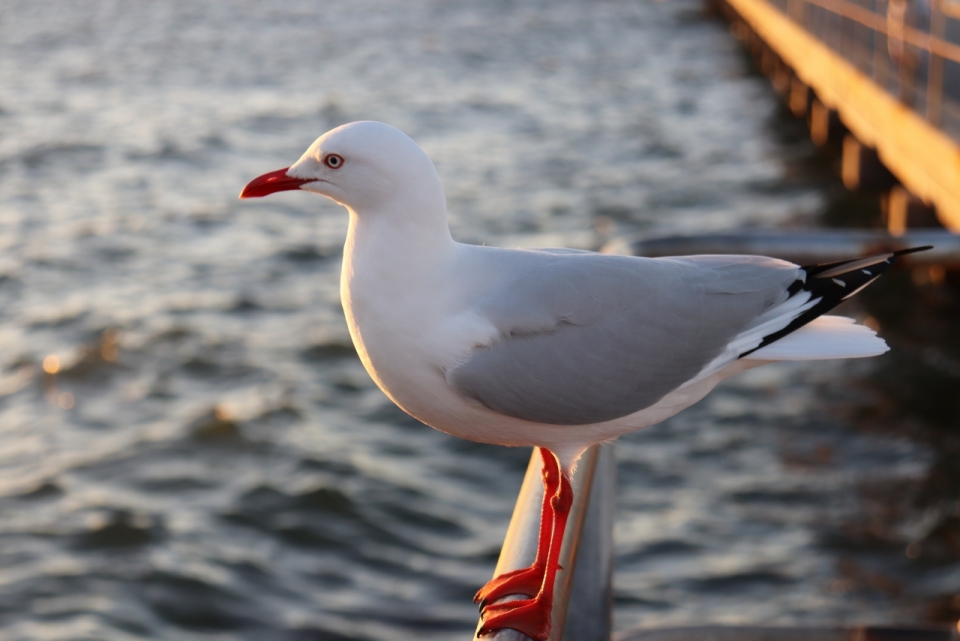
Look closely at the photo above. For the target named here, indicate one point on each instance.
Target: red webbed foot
(532, 616)
(529, 581)
(526, 581)
(529, 616)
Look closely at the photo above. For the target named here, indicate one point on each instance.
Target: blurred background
(189, 447)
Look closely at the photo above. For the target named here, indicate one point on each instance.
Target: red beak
(269, 183)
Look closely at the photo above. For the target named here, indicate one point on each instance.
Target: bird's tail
(813, 336)
(824, 337)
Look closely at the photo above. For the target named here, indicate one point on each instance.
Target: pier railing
(583, 592)
(804, 247)
(910, 48)
(879, 78)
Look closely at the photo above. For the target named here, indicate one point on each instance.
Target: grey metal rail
(803, 247)
(582, 598)
(774, 633)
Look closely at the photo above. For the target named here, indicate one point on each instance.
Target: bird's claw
(525, 581)
(528, 616)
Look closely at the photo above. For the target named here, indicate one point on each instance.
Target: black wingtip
(816, 270)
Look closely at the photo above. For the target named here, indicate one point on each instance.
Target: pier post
(862, 169)
(824, 123)
(769, 61)
(904, 211)
(771, 65)
(800, 96)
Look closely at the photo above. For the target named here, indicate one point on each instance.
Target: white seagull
(554, 348)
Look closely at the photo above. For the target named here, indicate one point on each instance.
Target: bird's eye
(333, 161)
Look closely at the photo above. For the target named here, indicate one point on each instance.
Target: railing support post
(583, 589)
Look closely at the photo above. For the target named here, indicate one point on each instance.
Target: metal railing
(804, 247)
(910, 48)
(760, 633)
(583, 597)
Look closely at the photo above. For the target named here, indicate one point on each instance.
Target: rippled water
(208, 459)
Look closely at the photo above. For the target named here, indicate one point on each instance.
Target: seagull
(559, 349)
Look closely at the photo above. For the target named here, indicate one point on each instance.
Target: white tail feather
(822, 338)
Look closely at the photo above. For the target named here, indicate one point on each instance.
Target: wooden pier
(881, 78)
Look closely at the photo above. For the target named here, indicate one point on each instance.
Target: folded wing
(586, 338)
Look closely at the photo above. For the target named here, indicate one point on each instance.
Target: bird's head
(362, 165)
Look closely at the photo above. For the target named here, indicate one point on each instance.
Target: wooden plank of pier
(923, 158)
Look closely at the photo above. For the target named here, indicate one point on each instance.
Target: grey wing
(587, 338)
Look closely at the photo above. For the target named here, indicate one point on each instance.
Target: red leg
(528, 580)
(532, 616)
